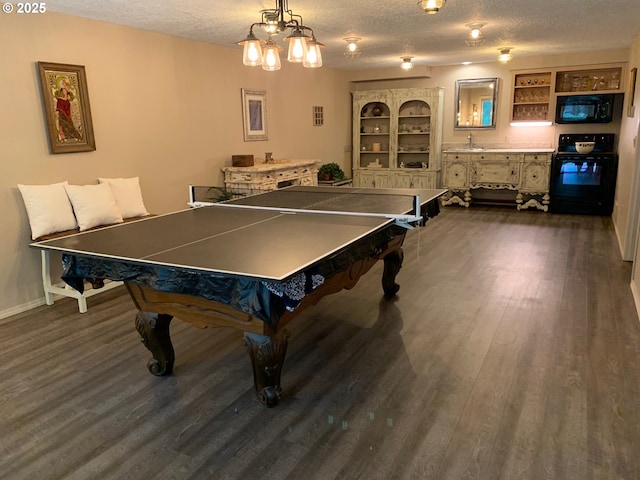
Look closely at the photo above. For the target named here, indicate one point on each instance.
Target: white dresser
(270, 176)
(525, 172)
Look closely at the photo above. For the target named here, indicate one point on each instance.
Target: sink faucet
(470, 138)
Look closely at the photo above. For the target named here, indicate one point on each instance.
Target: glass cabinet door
(414, 130)
(374, 135)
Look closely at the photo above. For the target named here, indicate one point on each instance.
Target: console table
(270, 176)
(525, 172)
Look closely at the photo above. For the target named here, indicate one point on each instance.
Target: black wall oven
(584, 183)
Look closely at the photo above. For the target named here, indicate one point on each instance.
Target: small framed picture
(254, 115)
(66, 104)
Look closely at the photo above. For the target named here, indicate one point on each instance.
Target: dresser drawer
(494, 173)
(537, 157)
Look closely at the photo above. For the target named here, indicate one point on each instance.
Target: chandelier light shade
(475, 37)
(303, 46)
(431, 6)
(271, 56)
(297, 46)
(314, 55)
(252, 54)
(352, 50)
(407, 63)
(505, 55)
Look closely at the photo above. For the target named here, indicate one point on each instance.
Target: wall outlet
(507, 139)
(347, 148)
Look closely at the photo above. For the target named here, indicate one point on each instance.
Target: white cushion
(93, 205)
(128, 196)
(48, 209)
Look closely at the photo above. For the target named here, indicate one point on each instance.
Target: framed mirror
(475, 102)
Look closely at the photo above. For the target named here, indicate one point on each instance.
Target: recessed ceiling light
(467, 63)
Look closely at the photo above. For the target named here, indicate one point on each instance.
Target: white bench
(61, 288)
(60, 206)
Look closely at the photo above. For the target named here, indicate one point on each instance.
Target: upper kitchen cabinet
(397, 137)
(603, 79)
(534, 92)
(531, 96)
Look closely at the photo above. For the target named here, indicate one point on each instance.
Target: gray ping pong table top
(244, 242)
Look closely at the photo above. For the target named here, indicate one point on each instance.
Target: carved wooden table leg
(267, 357)
(154, 331)
(392, 265)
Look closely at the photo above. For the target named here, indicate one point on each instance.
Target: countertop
(499, 150)
(274, 165)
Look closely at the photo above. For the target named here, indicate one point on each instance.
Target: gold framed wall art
(66, 104)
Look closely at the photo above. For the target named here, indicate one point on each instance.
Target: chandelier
(303, 47)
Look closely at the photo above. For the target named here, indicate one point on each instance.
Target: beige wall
(168, 110)
(625, 216)
(164, 109)
(628, 192)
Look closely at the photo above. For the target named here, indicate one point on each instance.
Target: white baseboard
(21, 308)
(635, 291)
(88, 292)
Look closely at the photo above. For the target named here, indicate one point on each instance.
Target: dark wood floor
(511, 352)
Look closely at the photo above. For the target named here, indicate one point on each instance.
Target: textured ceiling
(391, 28)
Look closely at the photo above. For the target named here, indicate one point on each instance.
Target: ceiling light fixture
(475, 37)
(406, 64)
(303, 48)
(431, 6)
(352, 50)
(505, 55)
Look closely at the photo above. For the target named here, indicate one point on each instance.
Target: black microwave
(584, 109)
